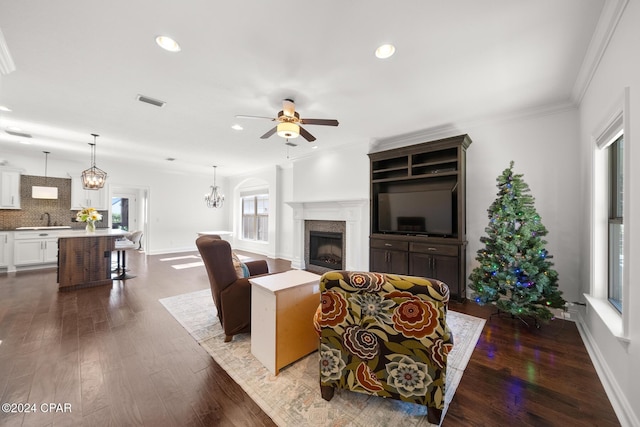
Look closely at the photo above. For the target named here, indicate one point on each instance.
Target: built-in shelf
(413, 168)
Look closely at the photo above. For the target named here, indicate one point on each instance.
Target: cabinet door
(385, 261)
(81, 198)
(378, 261)
(98, 198)
(398, 262)
(440, 267)
(50, 250)
(421, 265)
(10, 190)
(28, 252)
(4, 251)
(446, 270)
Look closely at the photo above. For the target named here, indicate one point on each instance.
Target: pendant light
(214, 199)
(44, 192)
(94, 177)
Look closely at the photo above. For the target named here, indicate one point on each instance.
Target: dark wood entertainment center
(415, 168)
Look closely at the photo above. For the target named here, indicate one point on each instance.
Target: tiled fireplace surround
(350, 217)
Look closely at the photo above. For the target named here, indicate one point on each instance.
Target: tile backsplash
(32, 212)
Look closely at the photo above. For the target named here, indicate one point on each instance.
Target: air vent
(15, 133)
(151, 101)
(290, 144)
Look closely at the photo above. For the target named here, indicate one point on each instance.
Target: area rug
(292, 398)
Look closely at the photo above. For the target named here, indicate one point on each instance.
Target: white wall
(618, 363)
(285, 221)
(543, 148)
(338, 174)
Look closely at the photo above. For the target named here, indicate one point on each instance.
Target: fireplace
(325, 249)
(349, 217)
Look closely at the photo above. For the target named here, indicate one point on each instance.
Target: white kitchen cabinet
(33, 248)
(9, 189)
(81, 198)
(50, 251)
(4, 250)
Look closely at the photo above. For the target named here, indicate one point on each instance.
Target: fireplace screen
(325, 249)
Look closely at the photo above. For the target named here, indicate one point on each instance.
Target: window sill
(259, 242)
(611, 318)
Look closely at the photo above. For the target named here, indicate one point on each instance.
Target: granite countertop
(62, 232)
(98, 232)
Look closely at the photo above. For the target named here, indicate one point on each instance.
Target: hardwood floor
(116, 357)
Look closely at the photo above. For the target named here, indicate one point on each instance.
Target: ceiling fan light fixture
(288, 130)
(385, 51)
(168, 44)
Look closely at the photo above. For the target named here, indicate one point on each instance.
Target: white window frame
(616, 123)
(256, 216)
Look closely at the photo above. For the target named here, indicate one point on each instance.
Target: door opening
(123, 212)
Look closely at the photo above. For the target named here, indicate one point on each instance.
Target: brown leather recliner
(231, 295)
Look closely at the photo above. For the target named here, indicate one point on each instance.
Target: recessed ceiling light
(24, 141)
(3, 108)
(171, 159)
(314, 147)
(237, 127)
(167, 43)
(385, 51)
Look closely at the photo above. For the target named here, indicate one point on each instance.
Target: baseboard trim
(621, 406)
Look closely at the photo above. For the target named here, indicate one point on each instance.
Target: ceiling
(80, 64)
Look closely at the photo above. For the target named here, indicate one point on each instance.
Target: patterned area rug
(292, 398)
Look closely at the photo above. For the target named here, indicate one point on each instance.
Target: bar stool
(121, 247)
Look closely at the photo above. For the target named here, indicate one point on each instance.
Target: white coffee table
(282, 310)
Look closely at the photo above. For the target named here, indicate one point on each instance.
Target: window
(255, 217)
(615, 172)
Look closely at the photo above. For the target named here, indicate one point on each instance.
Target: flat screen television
(427, 211)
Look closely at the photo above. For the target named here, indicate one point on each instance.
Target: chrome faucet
(48, 218)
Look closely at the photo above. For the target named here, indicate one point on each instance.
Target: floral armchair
(384, 335)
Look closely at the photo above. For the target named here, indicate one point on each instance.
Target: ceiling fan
(290, 121)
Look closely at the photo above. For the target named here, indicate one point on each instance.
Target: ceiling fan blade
(324, 122)
(242, 116)
(288, 107)
(306, 135)
(270, 132)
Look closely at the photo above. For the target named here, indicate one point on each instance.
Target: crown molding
(609, 18)
(6, 62)
(466, 126)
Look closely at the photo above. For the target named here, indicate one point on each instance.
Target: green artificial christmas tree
(515, 273)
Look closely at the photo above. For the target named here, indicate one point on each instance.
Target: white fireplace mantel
(354, 212)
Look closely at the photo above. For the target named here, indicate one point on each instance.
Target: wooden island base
(85, 261)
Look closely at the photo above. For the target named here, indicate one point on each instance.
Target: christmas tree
(515, 273)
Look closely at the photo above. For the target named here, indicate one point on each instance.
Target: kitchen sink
(52, 227)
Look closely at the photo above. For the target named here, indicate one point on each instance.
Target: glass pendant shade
(288, 130)
(93, 178)
(214, 199)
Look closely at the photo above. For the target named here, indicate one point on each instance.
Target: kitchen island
(84, 259)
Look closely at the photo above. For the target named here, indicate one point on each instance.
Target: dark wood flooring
(116, 357)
